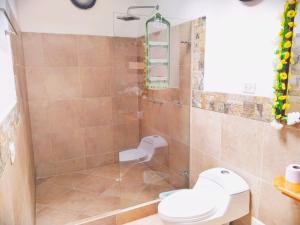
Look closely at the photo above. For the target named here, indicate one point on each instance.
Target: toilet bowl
(145, 151)
(219, 197)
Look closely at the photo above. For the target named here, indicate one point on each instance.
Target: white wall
(240, 41)
(57, 16)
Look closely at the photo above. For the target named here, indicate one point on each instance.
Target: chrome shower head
(128, 18)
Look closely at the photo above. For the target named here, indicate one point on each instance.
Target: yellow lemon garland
(286, 59)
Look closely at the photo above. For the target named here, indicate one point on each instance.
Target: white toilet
(219, 197)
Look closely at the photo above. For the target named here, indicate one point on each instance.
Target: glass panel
(152, 129)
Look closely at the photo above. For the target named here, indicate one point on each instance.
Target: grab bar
(14, 31)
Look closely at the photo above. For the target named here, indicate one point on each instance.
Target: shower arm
(142, 7)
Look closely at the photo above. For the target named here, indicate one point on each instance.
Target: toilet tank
(152, 142)
(237, 193)
(231, 182)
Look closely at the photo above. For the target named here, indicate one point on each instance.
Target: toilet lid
(187, 205)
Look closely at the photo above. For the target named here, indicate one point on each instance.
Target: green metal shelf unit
(161, 80)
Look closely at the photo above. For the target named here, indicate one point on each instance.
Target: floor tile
(67, 198)
(49, 216)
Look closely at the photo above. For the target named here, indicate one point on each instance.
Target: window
(7, 80)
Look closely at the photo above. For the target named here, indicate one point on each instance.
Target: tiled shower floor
(67, 198)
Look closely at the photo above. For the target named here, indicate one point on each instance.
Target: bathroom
(139, 112)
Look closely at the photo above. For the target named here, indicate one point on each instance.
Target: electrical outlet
(12, 151)
(249, 88)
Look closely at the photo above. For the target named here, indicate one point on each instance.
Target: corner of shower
(141, 151)
(154, 158)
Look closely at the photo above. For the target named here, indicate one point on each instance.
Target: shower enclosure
(86, 112)
(163, 113)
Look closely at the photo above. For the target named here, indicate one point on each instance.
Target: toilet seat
(187, 206)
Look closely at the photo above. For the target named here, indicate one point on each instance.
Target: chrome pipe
(14, 31)
(142, 7)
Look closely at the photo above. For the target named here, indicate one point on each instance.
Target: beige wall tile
(68, 144)
(39, 117)
(42, 148)
(36, 84)
(258, 153)
(206, 132)
(125, 104)
(178, 120)
(277, 209)
(99, 140)
(94, 51)
(17, 50)
(33, 49)
(178, 156)
(96, 81)
(60, 50)
(96, 111)
(125, 51)
(64, 115)
(70, 83)
(126, 136)
(62, 83)
(242, 143)
(124, 82)
(280, 149)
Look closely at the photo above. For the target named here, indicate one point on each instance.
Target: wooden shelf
(280, 184)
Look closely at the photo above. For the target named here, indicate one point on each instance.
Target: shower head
(128, 18)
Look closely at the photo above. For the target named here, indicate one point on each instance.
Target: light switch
(249, 88)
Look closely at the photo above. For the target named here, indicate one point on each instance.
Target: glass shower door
(152, 126)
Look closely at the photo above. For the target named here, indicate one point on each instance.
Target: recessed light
(84, 4)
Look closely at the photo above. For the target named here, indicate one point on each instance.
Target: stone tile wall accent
(8, 129)
(295, 83)
(252, 107)
(198, 53)
(83, 99)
